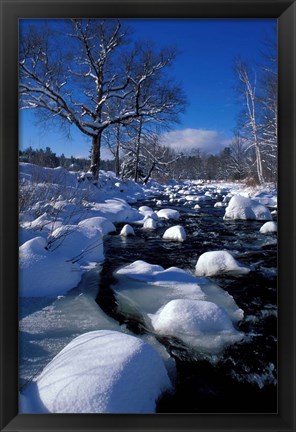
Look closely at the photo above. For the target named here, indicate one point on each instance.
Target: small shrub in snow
(175, 233)
(82, 243)
(44, 273)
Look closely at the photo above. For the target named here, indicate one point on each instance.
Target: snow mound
(127, 230)
(116, 210)
(168, 214)
(269, 227)
(175, 233)
(99, 223)
(218, 262)
(150, 223)
(200, 324)
(219, 204)
(44, 273)
(100, 372)
(240, 207)
(140, 270)
(82, 242)
(145, 210)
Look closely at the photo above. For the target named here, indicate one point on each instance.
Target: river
(242, 379)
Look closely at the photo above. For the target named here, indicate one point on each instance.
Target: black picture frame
(285, 12)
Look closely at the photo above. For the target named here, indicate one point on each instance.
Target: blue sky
(207, 49)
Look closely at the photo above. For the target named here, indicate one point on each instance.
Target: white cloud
(106, 154)
(186, 140)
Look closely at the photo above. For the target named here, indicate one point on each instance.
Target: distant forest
(178, 166)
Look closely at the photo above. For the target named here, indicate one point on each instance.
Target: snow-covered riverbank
(62, 227)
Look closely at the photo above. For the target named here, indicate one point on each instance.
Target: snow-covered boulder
(150, 223)
(219, 204)
(240, 207)
(199, 324)
(44, 273)
(127, 230)
(168, 214)
(100, 372)
(218, 262)
(269, 227)
(101, 224)
(83, 242)
(175, 233)
(196, 207)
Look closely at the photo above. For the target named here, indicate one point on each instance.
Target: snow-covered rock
(127, 230)
(269, 227)
(150, 223)
(198, 323)
(220, 204)
(240, 207)
(175, 233)
(168, 214)
(100, 372)
(218, 262)
(44, 273)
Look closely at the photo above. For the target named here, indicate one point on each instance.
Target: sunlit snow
(218, 262)
(99, 372)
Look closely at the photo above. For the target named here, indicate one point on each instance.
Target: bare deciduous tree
(79, 82)
(251, 125)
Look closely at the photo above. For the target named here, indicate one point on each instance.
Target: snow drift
(44, 273)
(99, 372)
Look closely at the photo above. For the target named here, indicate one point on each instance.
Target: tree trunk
(259, 164)
(138, 146)
(145, 181)
(117, 164)
(95, 158)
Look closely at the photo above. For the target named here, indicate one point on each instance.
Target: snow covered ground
(64, 219)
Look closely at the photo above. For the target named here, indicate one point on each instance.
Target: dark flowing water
(243, 378)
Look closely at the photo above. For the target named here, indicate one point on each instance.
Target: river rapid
(243, 378)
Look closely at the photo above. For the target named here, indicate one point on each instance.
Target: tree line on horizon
(196, 166)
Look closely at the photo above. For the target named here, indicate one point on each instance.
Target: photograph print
(148, 216)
